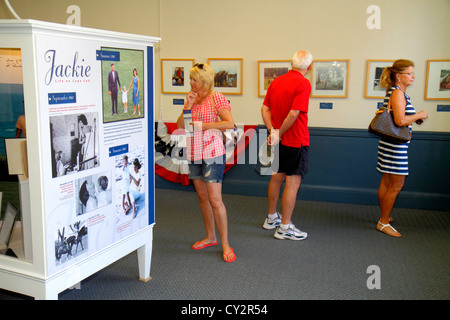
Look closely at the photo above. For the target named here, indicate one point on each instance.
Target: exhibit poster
(94, 135)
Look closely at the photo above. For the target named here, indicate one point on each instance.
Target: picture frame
(268, 70)
(173, 75)
(329, 78)
(7, 227)
(228, 74)
(129, 61)
(437, 85)
(374, 70)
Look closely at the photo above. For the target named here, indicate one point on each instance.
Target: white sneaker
(292, 233)
(272, 223)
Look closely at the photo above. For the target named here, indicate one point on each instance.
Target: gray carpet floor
(331, 264)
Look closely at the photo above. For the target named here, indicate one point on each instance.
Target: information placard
(94, 135)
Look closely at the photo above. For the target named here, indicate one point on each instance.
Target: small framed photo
(329, 78)
(227, 75)
(269, 70)
(6, 229)
(374, 70)
(175, 75)
(438, 80)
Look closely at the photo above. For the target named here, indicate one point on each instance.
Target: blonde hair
(387, 79)
(204, 73)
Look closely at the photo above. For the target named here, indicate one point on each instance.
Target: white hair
(302, 60)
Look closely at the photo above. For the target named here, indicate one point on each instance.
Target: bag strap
(216, 112)
(213, 104)
(388, 107)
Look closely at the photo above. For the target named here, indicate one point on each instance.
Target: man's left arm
(289, 121)
(273, 138)
(267, 116)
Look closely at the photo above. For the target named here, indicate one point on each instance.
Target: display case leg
(144, 261)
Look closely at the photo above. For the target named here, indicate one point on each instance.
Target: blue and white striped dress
(393, 158)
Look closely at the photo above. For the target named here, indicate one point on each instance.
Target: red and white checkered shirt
(206, 144)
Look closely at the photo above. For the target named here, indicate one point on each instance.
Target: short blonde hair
(204, 73)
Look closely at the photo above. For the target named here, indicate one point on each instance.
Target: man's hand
(274, 137)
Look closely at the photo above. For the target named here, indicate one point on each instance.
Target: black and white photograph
(72, 241)
(93, 192)
(74, 143)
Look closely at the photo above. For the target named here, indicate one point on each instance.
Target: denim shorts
(209, 170)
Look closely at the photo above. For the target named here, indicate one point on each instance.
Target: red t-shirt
(290, 92)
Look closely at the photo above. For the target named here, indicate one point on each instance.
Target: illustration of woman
(135, 85)
(135, 184)
(126, 201)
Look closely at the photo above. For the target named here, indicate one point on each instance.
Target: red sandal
(203, 245)
(227, 258)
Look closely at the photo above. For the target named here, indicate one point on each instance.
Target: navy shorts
(210, 170)
(293, 161)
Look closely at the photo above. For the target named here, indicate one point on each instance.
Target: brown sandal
(388, 229)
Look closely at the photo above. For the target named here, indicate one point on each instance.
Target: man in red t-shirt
(285, 114)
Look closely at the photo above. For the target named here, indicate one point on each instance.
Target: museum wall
(273, 30)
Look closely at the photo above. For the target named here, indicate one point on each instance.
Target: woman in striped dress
(393, 158)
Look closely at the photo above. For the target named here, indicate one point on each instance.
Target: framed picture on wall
(329, 78)
(374, 70)
(438, 80)
(175, 75)
(269, 70)
(227, 75)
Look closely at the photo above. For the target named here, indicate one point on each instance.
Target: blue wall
(11, 107)
(342, 168)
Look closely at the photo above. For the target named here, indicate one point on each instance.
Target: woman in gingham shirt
(211, 114)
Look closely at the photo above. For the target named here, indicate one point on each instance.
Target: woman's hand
(190, 97)
(422, 116)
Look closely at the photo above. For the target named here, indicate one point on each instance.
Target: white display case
(88, 199)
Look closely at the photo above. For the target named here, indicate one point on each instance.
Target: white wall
(331, 29)
(273, 30)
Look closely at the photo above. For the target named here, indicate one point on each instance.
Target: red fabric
(288, 92)
(171, 127)
(172, 176)
(240, 147)
(239, 150)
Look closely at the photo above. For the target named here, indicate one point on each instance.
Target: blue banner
(117, 150)
(62, 97)
(108, 55)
